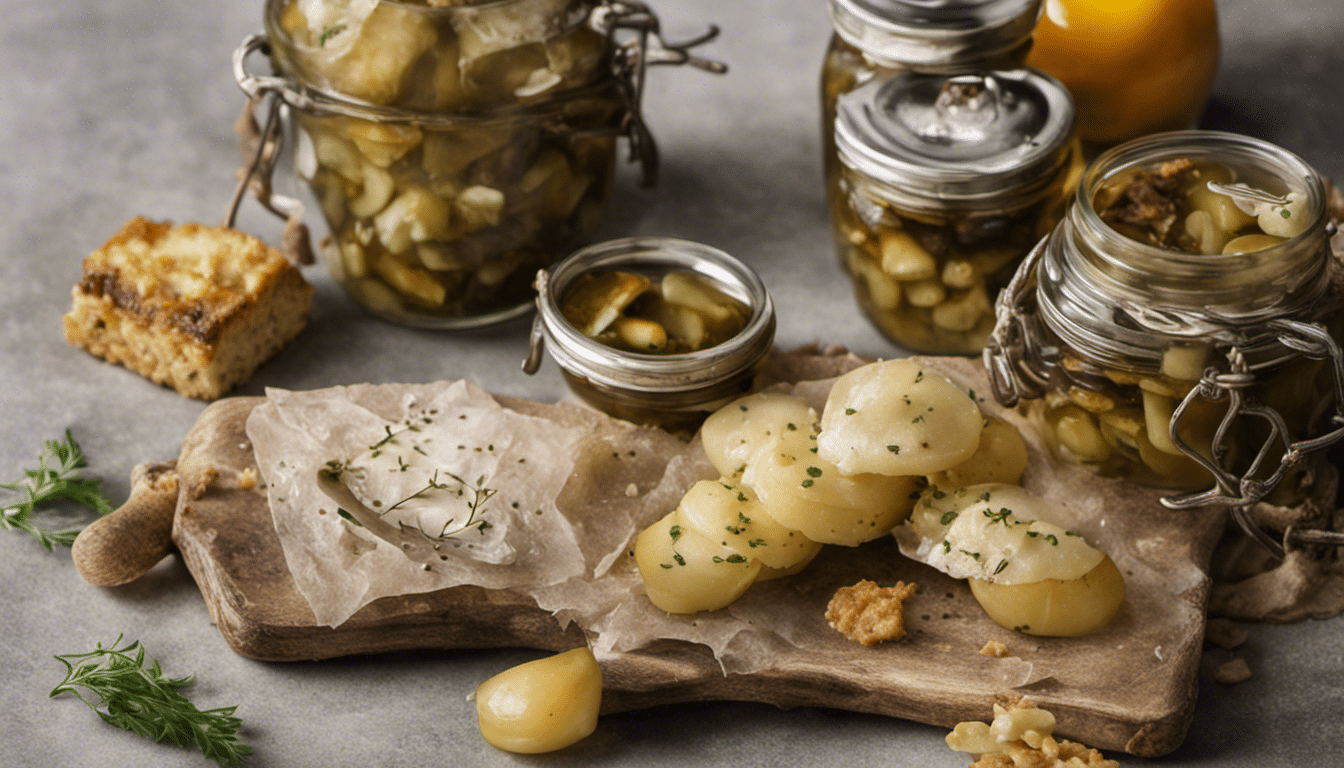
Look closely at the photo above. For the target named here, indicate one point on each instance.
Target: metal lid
(935, 32)
(967, 140)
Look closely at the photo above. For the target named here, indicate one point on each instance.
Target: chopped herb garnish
(850, 411)
(1002, 564)
(894, 448)
(814, 471)
(948, 517)
(675, 531)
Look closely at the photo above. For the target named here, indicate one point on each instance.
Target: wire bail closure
(1019, 368)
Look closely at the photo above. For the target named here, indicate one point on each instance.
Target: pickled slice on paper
(1055, 607)
(685, 571)
(898, 418)
(996, 532)
(803, 491)
(739, 430)
(735, 517)
(1001, 457)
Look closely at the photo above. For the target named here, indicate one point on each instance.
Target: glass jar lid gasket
(948, 137)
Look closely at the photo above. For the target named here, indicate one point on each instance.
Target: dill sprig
(54, 479)
(138, 698)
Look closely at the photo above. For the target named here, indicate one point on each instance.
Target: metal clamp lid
(978, 140)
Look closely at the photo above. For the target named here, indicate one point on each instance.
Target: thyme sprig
(54, 479)
(129, 691)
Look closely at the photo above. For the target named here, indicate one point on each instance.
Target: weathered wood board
(1130, 687)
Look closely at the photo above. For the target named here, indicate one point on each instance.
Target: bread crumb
(191, 307)
(994, 649)
(1021, 736)
(1224, 633)
(1233, 672)
(869, 614)
(247, 479)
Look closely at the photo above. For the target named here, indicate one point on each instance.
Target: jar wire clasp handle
(630, 63)
(261, 144)
(1241, 493)
(1007, 351)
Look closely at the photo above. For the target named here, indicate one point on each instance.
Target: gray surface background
(112, 108)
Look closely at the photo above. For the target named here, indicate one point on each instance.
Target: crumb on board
(994, 649)
(1233, 672)
(1021, 736)
(247, 479)
(869, 614)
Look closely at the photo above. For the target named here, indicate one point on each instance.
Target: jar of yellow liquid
(1134, 67)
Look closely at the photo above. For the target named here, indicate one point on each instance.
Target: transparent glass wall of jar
(946, 183)
(672, 391)
(1180, 262)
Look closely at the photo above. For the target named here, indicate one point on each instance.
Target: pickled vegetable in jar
(715, 311)
(1148, 345)
(444, 224)
(946, 183)
(455, 147)
(1134, 67)
(880, 38)
(438, 56)
(671, 313)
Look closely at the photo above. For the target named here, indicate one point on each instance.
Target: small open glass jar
(457, 147)
(946, 183)
(672, 391)
(1189, 346)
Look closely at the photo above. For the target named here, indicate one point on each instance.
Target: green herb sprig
(134, 695)
(54, 479)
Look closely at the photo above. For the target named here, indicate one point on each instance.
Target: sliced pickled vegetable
(675, 313)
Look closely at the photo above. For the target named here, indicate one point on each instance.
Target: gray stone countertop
(118, 108)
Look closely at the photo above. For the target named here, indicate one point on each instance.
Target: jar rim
(1122, 302)
(585, 357)
(909, 32)
(1154, 148)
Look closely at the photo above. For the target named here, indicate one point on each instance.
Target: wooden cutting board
(1130, 687)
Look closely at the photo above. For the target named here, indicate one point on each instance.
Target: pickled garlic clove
(543, 705)
(596, 300)
(1250, 244)
(696, 293)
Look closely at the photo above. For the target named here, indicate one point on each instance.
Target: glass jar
(880, 38)
(1134, 68)
(1178, 369)
(672, 391)
(455, 149)
(946, 183)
